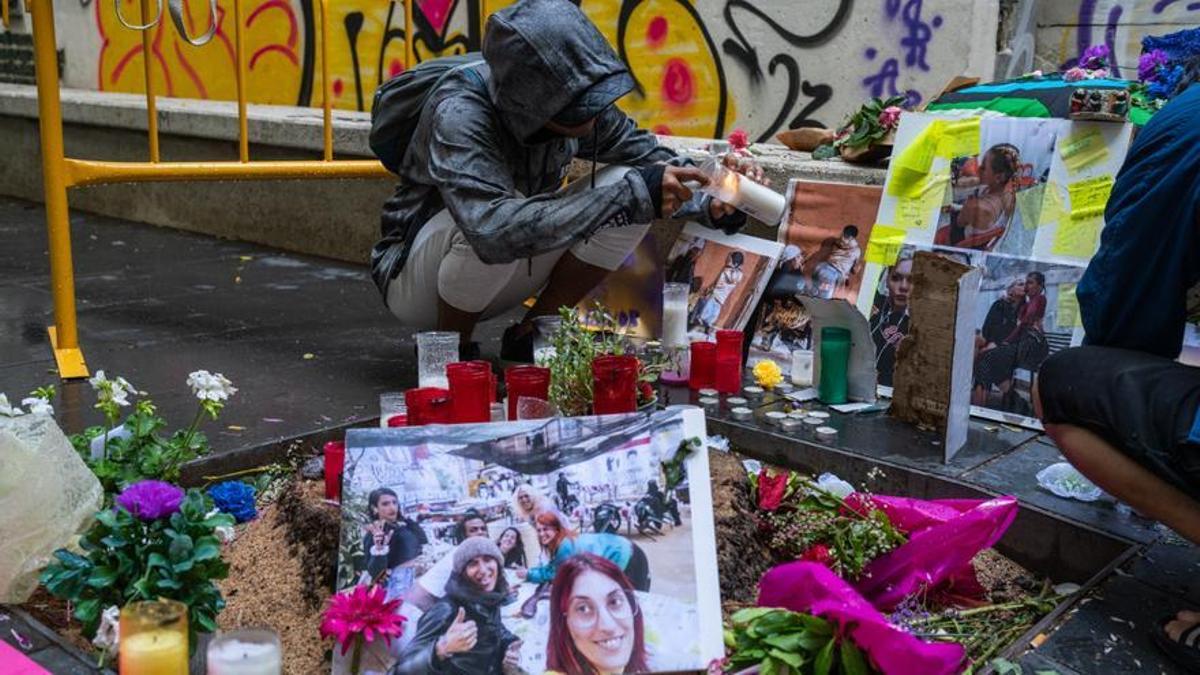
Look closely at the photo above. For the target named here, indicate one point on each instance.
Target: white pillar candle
(675, 318)
(246, 652)
(802, 368)
(754, 199)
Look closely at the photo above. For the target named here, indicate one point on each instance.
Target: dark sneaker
(517, 344)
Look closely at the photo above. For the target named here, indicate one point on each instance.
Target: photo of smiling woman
(463, 632)
(597, 627)
(561, 543)
(390, 539)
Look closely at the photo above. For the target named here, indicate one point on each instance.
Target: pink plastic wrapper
(813, 588)
(943, 537)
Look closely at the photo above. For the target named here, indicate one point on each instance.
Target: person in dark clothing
(480, 221)
(1120, 408)
(1021, 344)
(391, 539)
(463, 632)
(1001, 318)
(658, 502)
(889, 320)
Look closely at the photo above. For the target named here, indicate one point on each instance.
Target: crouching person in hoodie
(481, 221)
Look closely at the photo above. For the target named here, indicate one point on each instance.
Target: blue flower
(235, 498)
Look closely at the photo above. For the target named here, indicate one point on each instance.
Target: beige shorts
(442, 264)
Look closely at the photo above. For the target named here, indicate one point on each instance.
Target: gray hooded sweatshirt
(480, 150)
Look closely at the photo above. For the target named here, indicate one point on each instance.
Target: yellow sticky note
(1052, 204)
(1083, 149)
(1068, 306)
(911, 166)
(960, 139)
(1029, 204)
(1077, 237)
(918, 211)
(884, 246)
(1090, 196)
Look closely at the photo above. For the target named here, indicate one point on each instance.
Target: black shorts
(1144, 405)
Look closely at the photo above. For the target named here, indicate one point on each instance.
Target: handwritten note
(959, 139)
(1077, 237)
(1089, 197)
(1083, 149)
(917, 212)
(885, 244)
(911, 166)
(1068, 307)
(1029, 205)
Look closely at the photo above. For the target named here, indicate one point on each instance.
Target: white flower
(115, 391)
(9, 410)
(834, 485)
(38, 406)
(210, 387)
(98, 380)
(109, 632)
(224, 533)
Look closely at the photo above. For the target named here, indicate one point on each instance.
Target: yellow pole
(410, 58)
(326, 99)
(151, 106)
(4, 13)
(240, 55)
(64, 336)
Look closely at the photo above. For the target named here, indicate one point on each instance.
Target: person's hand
(674, 193)
(512, 656)
(459, 637)
(746, 167)
(376, 531)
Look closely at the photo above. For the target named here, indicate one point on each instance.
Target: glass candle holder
(531, 381)
(614, 384)
(675, 315)
(393, 411)
(250, 651)
(470, 391)
(335, 461)
(154, 638)
(728, 375)
(486, 365)
(428, 405)
(544, 328)
(434, 350)
(802, 368)
(702, 370)
(730, 342)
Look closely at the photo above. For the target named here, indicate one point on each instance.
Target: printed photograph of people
(1020, 303)
(726, 275)
(826, 233)
(889, 318)
(983, 214)
(575, 557)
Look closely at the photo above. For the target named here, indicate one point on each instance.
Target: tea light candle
(784, 388)
(741, 413)
(154, 638)
(708, 393)
(798, 415)
(819, 414)
(811, 424)
(775, 417)
(826, 434)
(753, 391)
(792, 424)
(245, 652)
(710, 403)
(735, 401)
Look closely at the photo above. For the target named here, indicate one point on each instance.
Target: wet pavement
(310, 346)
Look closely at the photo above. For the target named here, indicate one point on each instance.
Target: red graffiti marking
(395, 67)
(191, 72)
(338, 87)
(662, 130)
(438, 13)
(656, 32)
(677, 85)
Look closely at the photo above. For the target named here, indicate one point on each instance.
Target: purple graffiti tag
(891, 8)
(1110, 34)
(885, 80)
(1083, 34)
(919, 34)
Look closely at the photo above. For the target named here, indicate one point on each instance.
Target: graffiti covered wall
(1066, 29)
(704, 67)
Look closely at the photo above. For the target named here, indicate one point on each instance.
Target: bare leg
(570, 281)
(1124, 478)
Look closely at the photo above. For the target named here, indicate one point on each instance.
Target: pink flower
(365, 613)
(739, 139)
(890, 117)
(771, 488)
(818, 553)
(1075, 74)
(150, 499)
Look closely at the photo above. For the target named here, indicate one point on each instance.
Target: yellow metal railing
(60, 172)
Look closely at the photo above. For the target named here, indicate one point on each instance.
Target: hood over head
(549, 62)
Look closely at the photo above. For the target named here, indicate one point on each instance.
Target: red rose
(771, 489)
(818, 553)
(646, 391)
(739, 139)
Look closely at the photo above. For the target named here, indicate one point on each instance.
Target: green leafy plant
(780, 642)
(577, 342)
(128, 558)
(865, 127)
(142, 451)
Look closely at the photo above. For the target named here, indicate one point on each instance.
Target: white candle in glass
(802, 368)
(245, 652)
(754, 199)
(675, 315)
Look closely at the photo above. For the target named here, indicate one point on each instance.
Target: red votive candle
(492, 375)
(470, 391)
(335, 461)
(614, 384)
(703, 356)
(428, 405)
(729, 342)
(398, 420)
(531, 381)
(728, 374)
